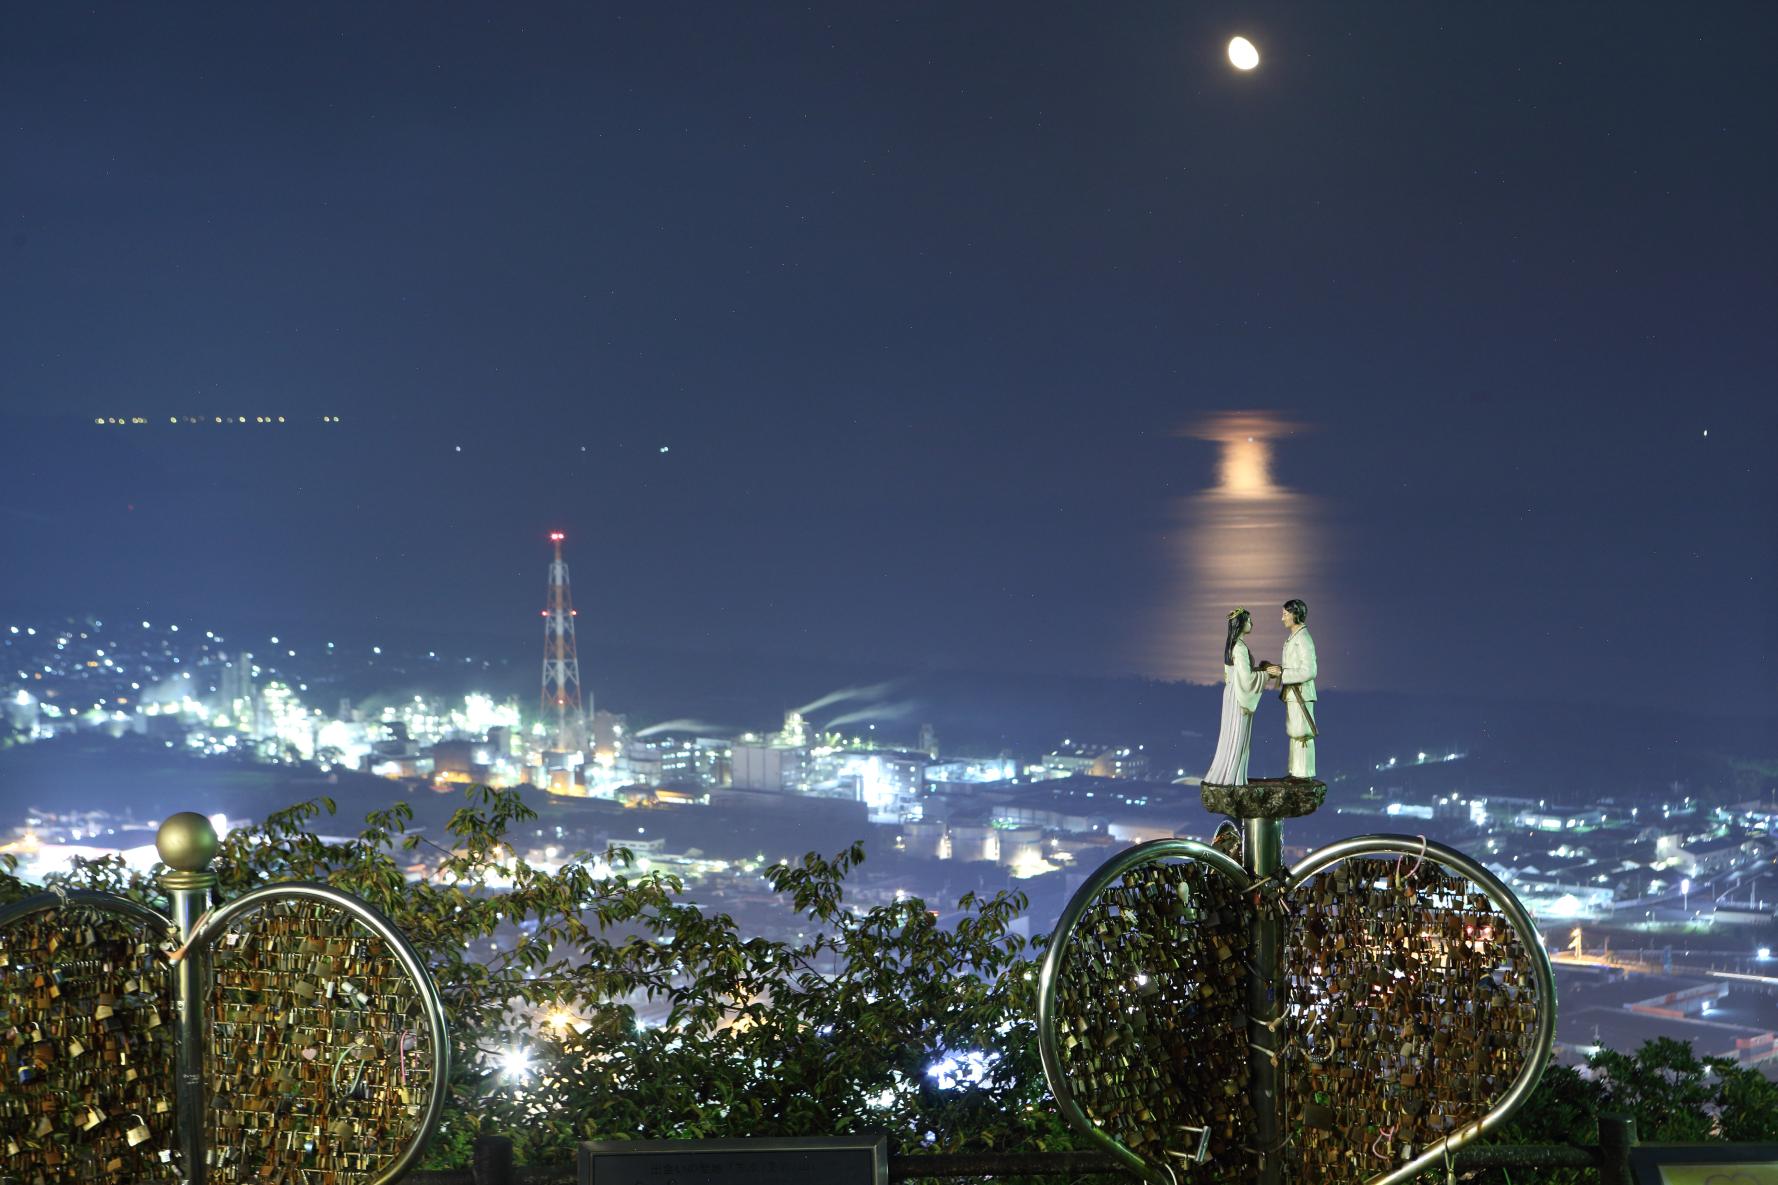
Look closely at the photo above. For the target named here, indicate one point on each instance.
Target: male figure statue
(1297, 678)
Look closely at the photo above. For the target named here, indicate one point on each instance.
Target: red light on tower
(556, 536)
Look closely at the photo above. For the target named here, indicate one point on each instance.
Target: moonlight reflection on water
(1247, 542)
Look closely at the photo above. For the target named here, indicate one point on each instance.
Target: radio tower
(561, 666)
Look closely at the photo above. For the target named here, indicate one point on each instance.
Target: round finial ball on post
(186, 842)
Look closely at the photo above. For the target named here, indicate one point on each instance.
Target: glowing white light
(956, 1070)
(1765, 952)
(1242, 54)
(516, 1064)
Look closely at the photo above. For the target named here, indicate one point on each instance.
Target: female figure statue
(1243, 681)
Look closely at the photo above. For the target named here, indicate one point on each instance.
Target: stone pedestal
(1265, 798)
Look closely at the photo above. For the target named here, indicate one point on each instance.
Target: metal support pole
(1262, 853)
(493, 1161)
(1617, 1135)
(187, 843)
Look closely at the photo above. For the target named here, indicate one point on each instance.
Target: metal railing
(1609, 1158)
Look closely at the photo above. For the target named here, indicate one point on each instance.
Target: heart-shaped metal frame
(155, 930)
(1541, 1038)
(1404, 848)
(224, 918)
(219, 920)
(1049, 1039)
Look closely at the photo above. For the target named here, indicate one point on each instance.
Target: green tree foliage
(1673, 1095)
(830, 1035)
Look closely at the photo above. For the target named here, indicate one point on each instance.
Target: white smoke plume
(870, 691)
(899, 710)
(702, 727)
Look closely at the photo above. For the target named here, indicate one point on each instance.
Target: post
(1617, 1135)
(493, 1161)
(187, 843)
(1260, 805)
(1262, 852)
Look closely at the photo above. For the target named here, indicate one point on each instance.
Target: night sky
(894, 333)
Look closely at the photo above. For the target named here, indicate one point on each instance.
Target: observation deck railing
(1609, 1159)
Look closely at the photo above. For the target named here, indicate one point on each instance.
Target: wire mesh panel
(1414, 1010)
(320, 1051)
(1149, 1021)
(86, 1046)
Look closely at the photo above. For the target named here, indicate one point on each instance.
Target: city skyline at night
(892, 339)
(1175, 589)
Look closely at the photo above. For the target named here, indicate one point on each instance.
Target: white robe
(1299, 668)
(1242, 687)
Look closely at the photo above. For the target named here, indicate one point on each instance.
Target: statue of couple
(1245, 680)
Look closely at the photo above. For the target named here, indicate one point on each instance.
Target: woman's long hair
(1237, 627)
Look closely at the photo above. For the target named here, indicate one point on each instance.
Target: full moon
(1242, 55)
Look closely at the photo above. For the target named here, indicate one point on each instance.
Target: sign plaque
(1704, 1164)
(827, 1160)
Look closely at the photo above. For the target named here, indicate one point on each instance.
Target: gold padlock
(138, 1134)
(93, 1119)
